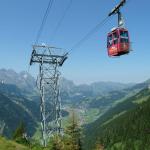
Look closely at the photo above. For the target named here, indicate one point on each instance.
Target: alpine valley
(114, 115)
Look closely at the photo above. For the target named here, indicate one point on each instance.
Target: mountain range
(97, 103)
(26, 83)
(22, 80)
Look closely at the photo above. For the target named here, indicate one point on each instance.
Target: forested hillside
(129, 131)
(13, 112)
(126, 126)
(16, 108)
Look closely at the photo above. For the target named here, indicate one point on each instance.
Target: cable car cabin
(118, 42)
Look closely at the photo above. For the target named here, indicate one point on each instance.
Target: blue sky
(20, 21)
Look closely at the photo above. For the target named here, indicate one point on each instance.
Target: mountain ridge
(94, 131)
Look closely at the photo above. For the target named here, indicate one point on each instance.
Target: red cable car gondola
(118, 42)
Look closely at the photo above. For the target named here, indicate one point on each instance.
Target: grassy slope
(10, 145)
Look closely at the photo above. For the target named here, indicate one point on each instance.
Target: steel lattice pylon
(48, 84)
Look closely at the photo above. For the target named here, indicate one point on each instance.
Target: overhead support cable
(61, 20)
(89, 34)
(49, 7)
(97, 27)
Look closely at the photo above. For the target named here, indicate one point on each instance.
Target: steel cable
(89, 34)
(44, 21)
(61, 20)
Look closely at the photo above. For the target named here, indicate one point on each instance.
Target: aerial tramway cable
(89, 34)
(61, 20)
(49, 7)
(79, 43)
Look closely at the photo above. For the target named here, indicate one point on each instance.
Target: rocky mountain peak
(22, 80)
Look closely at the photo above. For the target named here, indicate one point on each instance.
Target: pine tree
(73, 132)
(20, 135)
(57, 143)
(20, 130)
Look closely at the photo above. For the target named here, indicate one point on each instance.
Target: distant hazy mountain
(10, 89)
(105, 87)
(79, 92)
(69, 91)
(22, 80)
(122, 93)
(140, 86)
